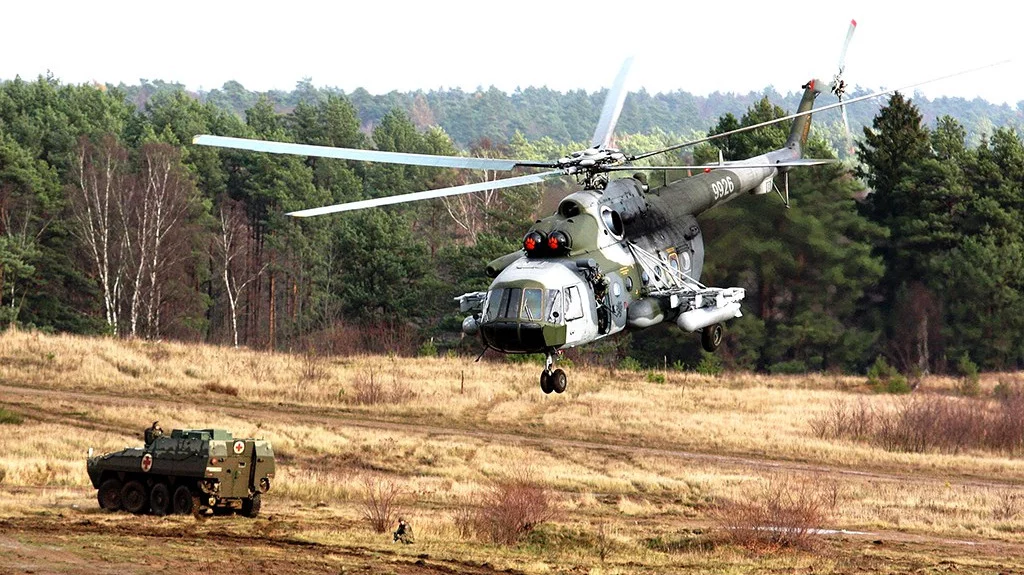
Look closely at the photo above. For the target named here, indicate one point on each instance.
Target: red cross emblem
(147, 462)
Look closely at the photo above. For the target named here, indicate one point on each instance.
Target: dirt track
(339, 418)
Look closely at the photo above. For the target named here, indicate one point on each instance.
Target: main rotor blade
(365, 155)
(814, 111)
(429, 194)
(846, 45)
(846, 128)
(612, 108)
(736, 164)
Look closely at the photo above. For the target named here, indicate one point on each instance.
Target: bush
(785, 513)
(218, 387)
(630, 364)
(313, 367)
(788, 367)
(368, 388)
(928, 423)
(845, 420)
(428, 349)
(970, 383)
(381, 501)
(655, 377)
(10, 417)
(709, 364)
(884, 378)
(510, 509)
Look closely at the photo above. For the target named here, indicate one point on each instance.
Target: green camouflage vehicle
(187, 472)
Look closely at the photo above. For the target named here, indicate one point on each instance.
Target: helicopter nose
(522, 337)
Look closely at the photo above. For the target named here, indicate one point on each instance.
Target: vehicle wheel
(133, 497)
(251, 506)
(545, 382)
(711, 336)
(109, 495)
(559, 381)
(160, 499)
(183, 503)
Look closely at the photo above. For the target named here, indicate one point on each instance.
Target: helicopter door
(573, 314)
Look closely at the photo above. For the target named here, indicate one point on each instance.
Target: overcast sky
(384, 45)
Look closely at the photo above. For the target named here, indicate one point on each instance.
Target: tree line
(112, 222)
(540, 112)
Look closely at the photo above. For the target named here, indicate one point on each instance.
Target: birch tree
(101, 186)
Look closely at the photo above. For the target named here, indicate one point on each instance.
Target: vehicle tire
(545, 382)
(559, 381)
(251, 506)
(160, 499)
(109, 495)
(183, 503)
(133, 497)
(711, 336)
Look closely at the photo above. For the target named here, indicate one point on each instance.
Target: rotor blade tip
(853, 23)
(195, 139)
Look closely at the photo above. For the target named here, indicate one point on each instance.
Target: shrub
(218, 387)
(927, 423)
(884, 378)
(709, 364)
(381, 501)
(845, 420)
(969, 384)
(788, 367)
(10, 417)
(428, 349)
(785, 513)
(511, 508)
(313, 367)
(368, 388)
(655, 377)
(630, 364)
(1007, 389)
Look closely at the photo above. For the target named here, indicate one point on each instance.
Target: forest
(111, 222)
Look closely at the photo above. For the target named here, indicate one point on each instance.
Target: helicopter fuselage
(580, 276)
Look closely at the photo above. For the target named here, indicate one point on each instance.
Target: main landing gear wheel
(711, 336)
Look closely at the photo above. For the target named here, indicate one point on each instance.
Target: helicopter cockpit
(535, 306)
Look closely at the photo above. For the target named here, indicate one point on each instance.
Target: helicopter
(617, 254)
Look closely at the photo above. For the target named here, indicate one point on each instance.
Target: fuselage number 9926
(723, 187)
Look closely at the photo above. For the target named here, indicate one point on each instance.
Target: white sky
(384, 45)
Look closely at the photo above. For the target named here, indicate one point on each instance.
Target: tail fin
(802, 125)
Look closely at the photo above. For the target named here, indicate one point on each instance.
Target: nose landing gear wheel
(558, 381)
(711, 336)
(545, 382)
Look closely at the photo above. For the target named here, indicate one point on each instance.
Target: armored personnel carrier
(189, 471)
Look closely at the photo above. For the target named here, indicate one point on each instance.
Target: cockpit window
(554, 306)
(568, 209)
(531, 304)
(512, 297)
(492, 306)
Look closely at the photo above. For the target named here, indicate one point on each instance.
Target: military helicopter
(617, 254)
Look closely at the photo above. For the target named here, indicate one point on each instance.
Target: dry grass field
(696, 474)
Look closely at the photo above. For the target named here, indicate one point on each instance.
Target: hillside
(643, 471)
